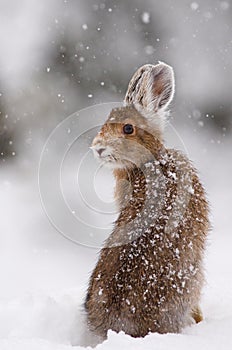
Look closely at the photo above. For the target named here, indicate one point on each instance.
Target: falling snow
(42, 301)
(194, 6)
(145, 17)
(149, 50)
(84, 26)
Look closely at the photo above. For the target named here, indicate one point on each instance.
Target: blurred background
(59, 56)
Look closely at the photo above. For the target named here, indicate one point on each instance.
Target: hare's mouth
(106, 156)
(103, 154)
(113, 162)
(110, 161)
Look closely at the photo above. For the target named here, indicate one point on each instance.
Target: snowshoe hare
(149, 274)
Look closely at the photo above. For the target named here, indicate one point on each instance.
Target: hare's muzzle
(99, 151)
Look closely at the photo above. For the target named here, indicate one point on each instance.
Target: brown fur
(150, 282)
(149, 274)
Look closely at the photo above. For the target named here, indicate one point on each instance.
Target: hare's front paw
(197, 314)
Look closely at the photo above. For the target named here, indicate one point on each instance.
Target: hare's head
(133, 134)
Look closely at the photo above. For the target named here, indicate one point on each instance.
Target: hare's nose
(100, 151)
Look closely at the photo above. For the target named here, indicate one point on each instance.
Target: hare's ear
(151, 89)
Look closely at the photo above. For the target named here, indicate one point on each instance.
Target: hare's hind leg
(197, 314)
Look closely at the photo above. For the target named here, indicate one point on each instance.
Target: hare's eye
(128, 129)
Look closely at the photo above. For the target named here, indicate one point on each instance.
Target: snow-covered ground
(44, 276)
